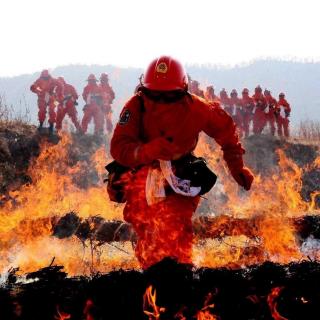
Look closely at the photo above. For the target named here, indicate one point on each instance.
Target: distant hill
(300, 81)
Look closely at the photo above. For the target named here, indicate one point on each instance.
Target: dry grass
(10, 116)
(308, 131)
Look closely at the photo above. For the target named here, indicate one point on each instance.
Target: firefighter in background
(210, 94)
(194, 88)
(49, 92)
(93, 109)
(226, 102)
(138, 86)
(107, 98)
(283, 111)
(68, 105)
(259, 115)
(237, 110)
(270, 111)
(247, 110)
(148, 138)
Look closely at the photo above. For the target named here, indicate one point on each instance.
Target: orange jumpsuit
(67, 106)
(165, 228)
(49, 94)
(270, 112)
(107, 97)
(93, 109)
(259, 116)
(283, 110)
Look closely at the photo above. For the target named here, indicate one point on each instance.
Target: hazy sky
(37, 34)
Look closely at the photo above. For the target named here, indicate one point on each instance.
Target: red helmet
(45, 74)
(61, 80)
(92, 77)
(258, 89)
(104, 77)
(165, 74)
(245, 91)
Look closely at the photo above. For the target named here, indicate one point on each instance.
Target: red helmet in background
(104, 77)
(92, 77)
(165, 74)
(61, 80)
(258, 89)
(45, 74)
(267, 92)
(245, 91)
(281, 95)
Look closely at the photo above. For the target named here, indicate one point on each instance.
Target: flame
(272, 297)
(150, 307)
(205, 313)
(62, 315)
(87, 308)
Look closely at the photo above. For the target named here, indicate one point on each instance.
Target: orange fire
(272, 297)
(62, 315)
(150, 307)
(205, 313)
(26, 225)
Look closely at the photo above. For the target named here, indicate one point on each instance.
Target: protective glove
(157, 149)
(243, 177)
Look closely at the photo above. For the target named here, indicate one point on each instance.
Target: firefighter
(259, 116)
(210, 95)
(237, 114)
(107, 98)
(226, 102)
(283, 111)
(49, 92)
(93, 109)
(158, 126)
(270, 111)
(195, 89)
(247, 110)
(68, 105)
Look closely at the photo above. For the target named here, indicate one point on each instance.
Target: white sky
(37, 34)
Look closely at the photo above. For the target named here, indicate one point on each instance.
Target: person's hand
(243, 177)
(157, 149)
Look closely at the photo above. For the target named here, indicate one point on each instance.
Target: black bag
(115, 186)
(196, 170)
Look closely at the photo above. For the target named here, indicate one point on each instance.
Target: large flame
(26, 220)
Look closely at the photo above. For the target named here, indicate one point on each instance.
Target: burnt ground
(228, 294)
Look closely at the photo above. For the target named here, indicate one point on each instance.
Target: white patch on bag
(282, 112)
(179, 186)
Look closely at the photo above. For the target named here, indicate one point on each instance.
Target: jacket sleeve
(220, 126)
(125, 140)
(34, 87)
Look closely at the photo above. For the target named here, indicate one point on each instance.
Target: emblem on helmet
(162, 67)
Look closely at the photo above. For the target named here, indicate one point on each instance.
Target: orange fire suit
(283, 110)
(259, 116)
(247, 110)
(107, 98)
(165, 228)
(270, 112)
(93, 109)
(49, 92)
(67, 106)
